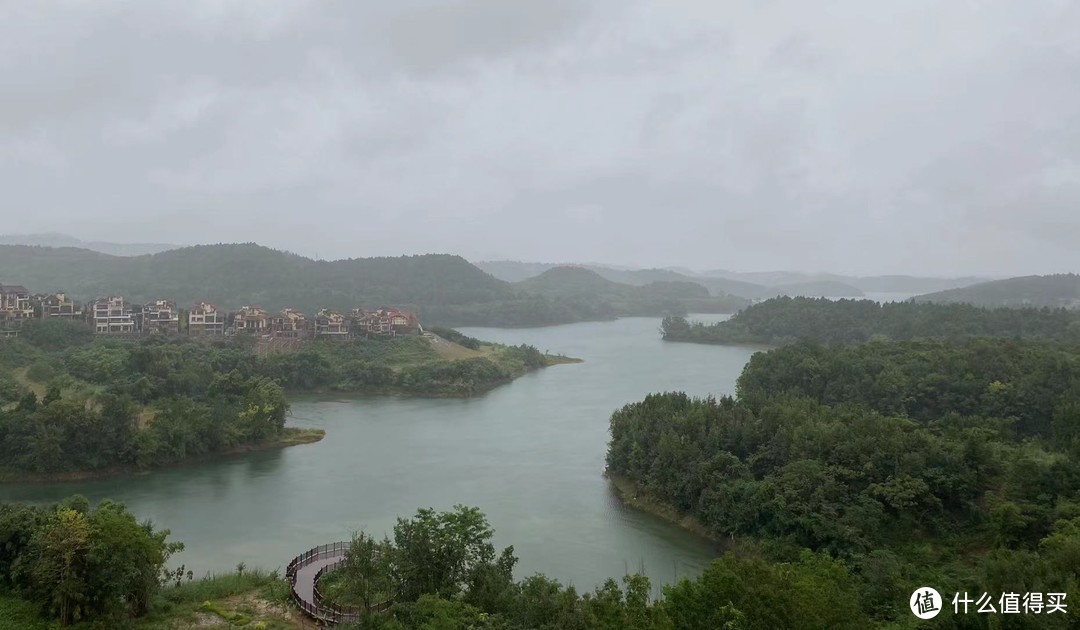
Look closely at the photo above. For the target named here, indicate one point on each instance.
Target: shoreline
(292, 436)
(581, 321)
(632, 496)
(760, 346)
(397, 392)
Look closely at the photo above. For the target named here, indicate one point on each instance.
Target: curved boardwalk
(304, 572)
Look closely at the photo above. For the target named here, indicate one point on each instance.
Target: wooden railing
(327, 612)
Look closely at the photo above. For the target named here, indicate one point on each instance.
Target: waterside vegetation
(72, 402)
(785, 320)
(955, 464)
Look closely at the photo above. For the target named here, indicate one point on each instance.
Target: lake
(530, 454)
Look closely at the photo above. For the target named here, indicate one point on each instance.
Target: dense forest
(911, 463)
(785, 320)
(442, 289)
(106, 404)
(441, 570)
(75, 563)
(71, 401)
(1054, 291)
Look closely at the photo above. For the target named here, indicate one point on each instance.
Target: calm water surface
(530, 454)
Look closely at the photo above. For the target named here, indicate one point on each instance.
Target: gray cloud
(893, 136)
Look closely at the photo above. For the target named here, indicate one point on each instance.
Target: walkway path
(304, 588)
(303, 573)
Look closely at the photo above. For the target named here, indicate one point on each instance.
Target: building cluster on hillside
(115, 316)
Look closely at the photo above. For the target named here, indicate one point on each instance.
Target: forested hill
(517, 272)
(443, 289)
(952, 464)
(784, 320)
(585, 287)
(753, 285)
(234, 275)
(1058, 290)
(568, 280)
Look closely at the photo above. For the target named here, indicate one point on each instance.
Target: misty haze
(560, 314)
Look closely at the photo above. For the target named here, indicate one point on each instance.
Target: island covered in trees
(72, 402)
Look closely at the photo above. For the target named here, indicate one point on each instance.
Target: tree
(83, 564)
(366, 572)
(438, 553)
(58, 568)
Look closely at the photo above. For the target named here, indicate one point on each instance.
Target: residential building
(160, 317)
(61, 306)
(403, 322)
(388, 322)
(204, 320)
(331, 325)
(289, 324)
(112, 316)
(252, 319)
(15, 305)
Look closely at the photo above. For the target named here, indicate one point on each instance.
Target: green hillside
(443, 289)
(514, 271)
(234, 275)
(911, 284)
(588, 289)
(573, 281)
(784, 320)
(1058, 290)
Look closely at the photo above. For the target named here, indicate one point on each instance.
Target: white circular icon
(925, 602)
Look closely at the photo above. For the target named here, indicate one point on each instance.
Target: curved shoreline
(292, 436)
(630, 494)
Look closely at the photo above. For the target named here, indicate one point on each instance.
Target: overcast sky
(850, 136)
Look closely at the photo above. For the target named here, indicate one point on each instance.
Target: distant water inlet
(530, 454)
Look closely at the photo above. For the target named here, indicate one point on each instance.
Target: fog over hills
(1056, 290)
(753, 285)
(53, 239)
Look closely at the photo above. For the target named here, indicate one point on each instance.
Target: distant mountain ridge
(53, 239)
(444, 289)
(751, 285)
(238, 274)
(585, 286)
(867, 284)
(1056, 290)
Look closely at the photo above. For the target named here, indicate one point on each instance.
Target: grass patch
(24, 379)
(220, 586)
(250, 599)
(234, 618)
(561, 359)
(294, 436)
(17, 614)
